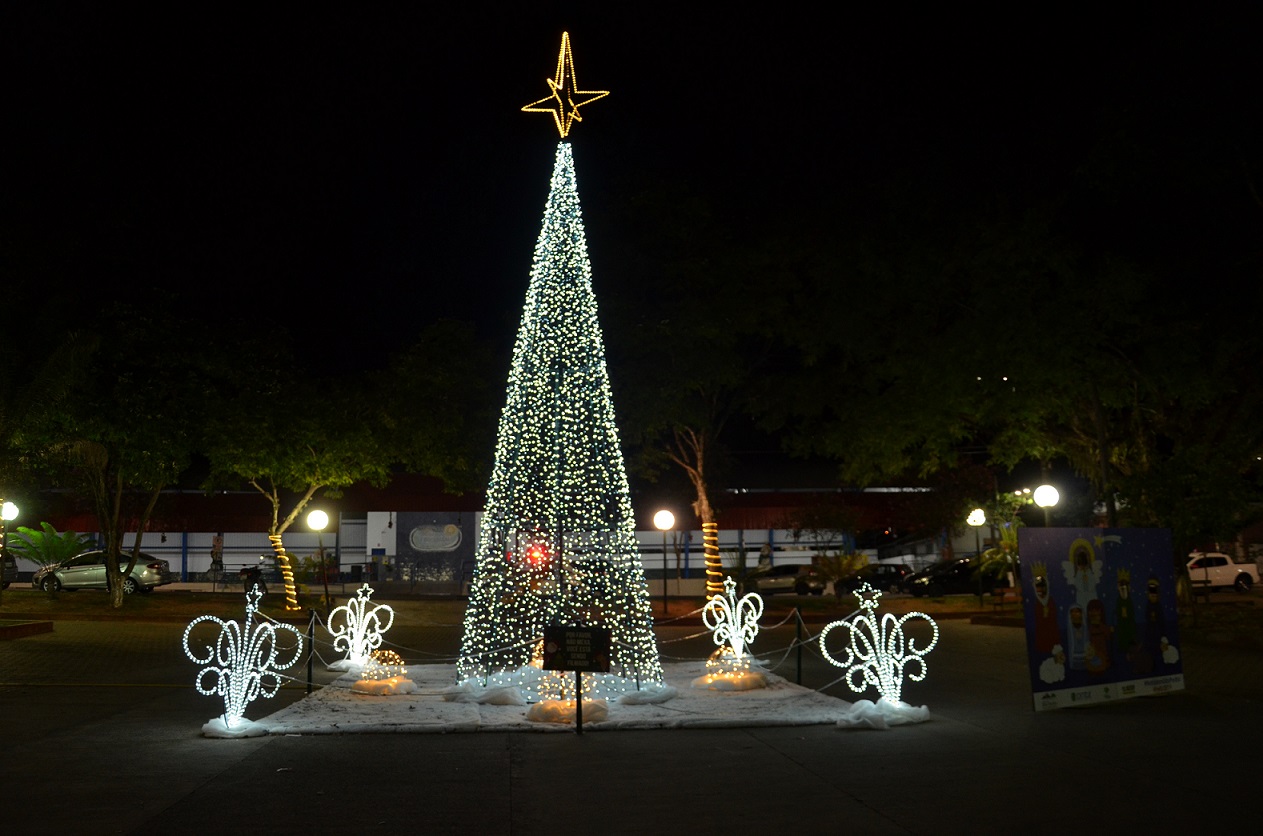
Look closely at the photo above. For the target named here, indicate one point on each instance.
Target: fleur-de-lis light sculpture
(243, 663)
(878, 652)
(735, 622)
(357, 629)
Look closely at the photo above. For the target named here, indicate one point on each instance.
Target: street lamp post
(1046, 497)
(317, 520)
(664, 520)
(977, 518)
(8, 513)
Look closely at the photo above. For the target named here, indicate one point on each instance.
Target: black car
(947, 577)
(884, 577)
(10, 571)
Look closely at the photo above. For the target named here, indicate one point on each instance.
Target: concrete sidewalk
(101, 735)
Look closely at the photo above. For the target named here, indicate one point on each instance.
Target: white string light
(359, 630)
(242, 661)
(735, 622)
(557, 543)
(878, 653)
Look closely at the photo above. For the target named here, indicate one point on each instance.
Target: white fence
(189, 554)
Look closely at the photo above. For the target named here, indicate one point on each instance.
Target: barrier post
(798, 643)
(311, 646)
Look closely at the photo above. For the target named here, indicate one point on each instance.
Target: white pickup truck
(1216, 570)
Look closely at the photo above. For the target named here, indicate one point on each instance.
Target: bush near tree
(47, 545)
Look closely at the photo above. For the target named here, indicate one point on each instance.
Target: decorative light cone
(557, 542)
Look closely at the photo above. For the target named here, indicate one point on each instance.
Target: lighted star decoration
(878, 652)
(565, 99)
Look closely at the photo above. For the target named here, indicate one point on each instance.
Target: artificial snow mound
(385, 687)
(731, 681)
(242, 728)
(563, 711)
(440, 707)
(470, 691)
(882, 714)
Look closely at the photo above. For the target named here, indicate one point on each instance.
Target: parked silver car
(799, 578)
(87, 571)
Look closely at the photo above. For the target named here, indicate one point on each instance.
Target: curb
(10, 629)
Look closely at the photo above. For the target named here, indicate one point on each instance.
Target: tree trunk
(287, 572)
(1103, 453)
(278, 528)
(690, 454)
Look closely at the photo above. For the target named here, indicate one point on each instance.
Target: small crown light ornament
(876, 655)
(734, 623)
(244, 662)
(360, 632)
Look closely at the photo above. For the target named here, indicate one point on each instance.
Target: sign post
(577, 649)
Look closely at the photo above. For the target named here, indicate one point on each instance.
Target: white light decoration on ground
(734, 624)
(243, 662)
(357, 629)
(557, 542)
(384, 674)
(878, 652)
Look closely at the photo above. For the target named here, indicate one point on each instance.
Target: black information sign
(585, 649)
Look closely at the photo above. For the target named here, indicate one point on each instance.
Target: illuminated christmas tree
(557, 543)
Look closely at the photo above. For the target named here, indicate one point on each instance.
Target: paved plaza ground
(100, 733)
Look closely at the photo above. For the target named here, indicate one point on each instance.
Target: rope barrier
(810, 641)
(678, 617)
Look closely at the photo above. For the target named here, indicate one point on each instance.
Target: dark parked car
(10, 572)
(87, 571)
(786, 577)
(884, 577)
(947, 577)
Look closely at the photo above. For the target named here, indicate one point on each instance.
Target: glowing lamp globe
(663, 520)
(8, 511)
(317, 520)
(1046, 496)
(976, 517)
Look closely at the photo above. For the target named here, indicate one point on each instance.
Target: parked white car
(1216, 570)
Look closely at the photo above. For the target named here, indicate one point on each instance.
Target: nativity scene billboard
(1100, 609)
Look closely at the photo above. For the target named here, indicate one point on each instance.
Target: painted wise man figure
(1047, 624)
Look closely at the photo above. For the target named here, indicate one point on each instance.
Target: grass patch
(158, 605)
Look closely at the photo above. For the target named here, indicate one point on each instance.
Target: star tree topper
(565, 99)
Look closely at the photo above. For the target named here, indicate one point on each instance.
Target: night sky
(371, 169)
